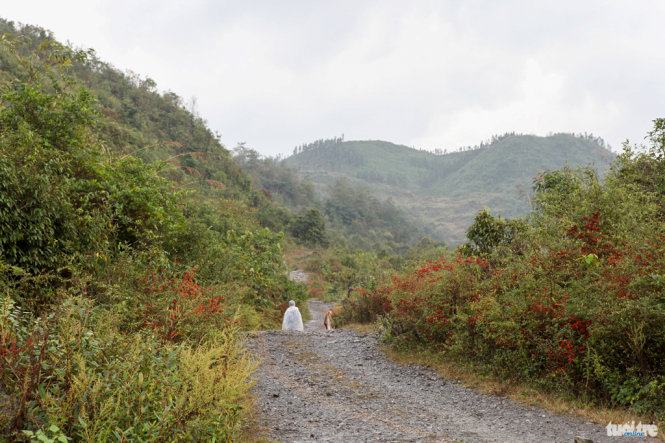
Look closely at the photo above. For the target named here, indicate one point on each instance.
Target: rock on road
(339, 386)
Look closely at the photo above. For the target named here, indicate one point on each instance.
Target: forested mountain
(354, 216)
(446, 190)
(131, 252)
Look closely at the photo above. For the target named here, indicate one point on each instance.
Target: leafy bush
(131, 256)
(309, 228)
(79, 371)
(487, 233)
(43, 166)
(571, 301)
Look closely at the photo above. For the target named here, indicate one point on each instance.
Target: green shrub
(78, 371)
(309, 228)
(130, 256)
(572, 300)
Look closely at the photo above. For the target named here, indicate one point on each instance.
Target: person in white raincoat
(292, 318)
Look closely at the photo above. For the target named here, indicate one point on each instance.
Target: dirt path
(338, 386)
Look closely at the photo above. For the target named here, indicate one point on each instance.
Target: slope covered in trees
(569, 299)
(134, 247)
(446, 190)
(131, 252)
(354, 216)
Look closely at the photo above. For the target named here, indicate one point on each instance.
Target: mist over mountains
(446, 190)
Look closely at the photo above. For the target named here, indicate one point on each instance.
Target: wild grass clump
(78, 370)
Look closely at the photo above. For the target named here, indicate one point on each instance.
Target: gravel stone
(338, 386)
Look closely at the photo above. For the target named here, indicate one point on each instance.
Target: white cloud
(539, 105)
(424, 73)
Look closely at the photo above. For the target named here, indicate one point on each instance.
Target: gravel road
(339, 386)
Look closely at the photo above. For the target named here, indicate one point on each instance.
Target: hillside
(131, 254)
(551, 300)
(447, 190)
(137, 252)
(134, 250)
(353, 216)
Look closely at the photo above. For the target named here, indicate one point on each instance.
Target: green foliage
(363, 220)
(448, 189)
(77, 373)
(572, 301)
(646, 170)
(52, 435)
(274, 218)
(354, 217)
(142, 204)
(488, 232)
(44, 164)
(131, 251)
(278, 181)
(343, 271)
(309, 228)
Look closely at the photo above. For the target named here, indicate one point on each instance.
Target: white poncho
(292, 319)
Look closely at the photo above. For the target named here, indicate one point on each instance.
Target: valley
(145, 268)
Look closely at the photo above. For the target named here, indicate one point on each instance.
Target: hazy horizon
(431, 75)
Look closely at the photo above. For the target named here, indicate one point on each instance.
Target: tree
(488, 232)
(309, 228)
(646, 169)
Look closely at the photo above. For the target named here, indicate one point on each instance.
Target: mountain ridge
(446, 190)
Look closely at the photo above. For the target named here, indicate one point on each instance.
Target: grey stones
(338, 386)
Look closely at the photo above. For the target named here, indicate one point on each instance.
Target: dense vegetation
(447, 189)
(130, 253)
(134, 247)
(353, 217)
(571, 298)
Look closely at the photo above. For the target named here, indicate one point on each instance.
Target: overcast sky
(428, 74)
